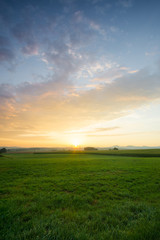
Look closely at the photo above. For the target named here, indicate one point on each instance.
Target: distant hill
(90, 149)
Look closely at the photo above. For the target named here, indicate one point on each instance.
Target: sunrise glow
(75, 142)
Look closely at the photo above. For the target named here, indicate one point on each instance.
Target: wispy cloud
(126, 3)
(30, 49)
(6, 53)
(93, 130)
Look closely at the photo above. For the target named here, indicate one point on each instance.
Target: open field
(80, 196)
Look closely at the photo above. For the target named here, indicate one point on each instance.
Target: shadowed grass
(127, 153)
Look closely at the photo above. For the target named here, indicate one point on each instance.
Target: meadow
(75, 196)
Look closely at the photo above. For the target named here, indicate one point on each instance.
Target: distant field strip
(131, 153)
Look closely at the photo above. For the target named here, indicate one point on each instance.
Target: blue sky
(70, 68)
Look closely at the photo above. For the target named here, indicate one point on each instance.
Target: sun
(75, 142)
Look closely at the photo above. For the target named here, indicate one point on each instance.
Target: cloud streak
(93, 130)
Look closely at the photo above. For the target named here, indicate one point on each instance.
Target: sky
(79, 72)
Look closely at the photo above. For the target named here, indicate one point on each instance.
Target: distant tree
(3, 150)
(115, 148)
(90, 149)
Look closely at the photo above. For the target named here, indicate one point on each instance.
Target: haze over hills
(37, 149)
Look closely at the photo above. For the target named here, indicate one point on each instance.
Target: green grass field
(80, 196)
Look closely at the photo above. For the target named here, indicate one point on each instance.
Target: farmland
(101, 195)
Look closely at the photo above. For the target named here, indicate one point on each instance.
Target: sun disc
(75, 142)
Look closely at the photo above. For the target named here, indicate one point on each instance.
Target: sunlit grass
(79, 197)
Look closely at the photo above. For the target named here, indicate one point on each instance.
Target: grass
(79, 197)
